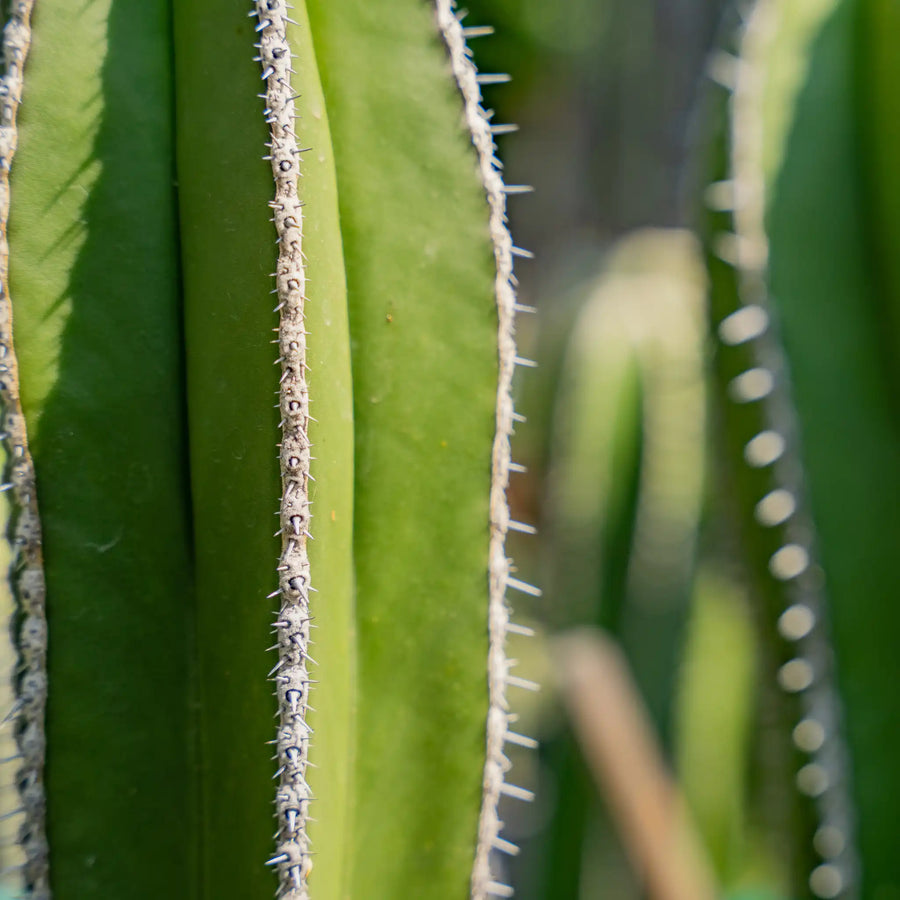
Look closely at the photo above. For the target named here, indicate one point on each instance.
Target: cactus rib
(803, 624)
(293, 623)
(500, 579)
(28, 581)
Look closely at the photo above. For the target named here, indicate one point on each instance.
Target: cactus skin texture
(141, 265)
(790, 226)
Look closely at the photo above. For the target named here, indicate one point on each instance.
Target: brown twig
(621, 750)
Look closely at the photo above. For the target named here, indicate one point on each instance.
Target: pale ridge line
(794, 564)
(483, 884)
(27, 570)
(291, 676)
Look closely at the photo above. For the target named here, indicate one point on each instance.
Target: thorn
(496, 889)
(504, 129)
(723, 69)
(517, 467)
(526, 363)
(524, 683)
(719, 196)
(522, 527)
(505, 846)
(524, 630)
(477, 31)
(519, 251)
(521, 740)
(494, 78)
(520, 307)
(518, 189)
(516, 792)
(523, 587)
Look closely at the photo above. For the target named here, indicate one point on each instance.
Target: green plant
(798, 220)
(138, 393)
(625, 477)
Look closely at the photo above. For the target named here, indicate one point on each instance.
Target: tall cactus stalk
(145, 245)
(808, 410)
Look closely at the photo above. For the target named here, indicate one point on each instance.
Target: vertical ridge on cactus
(752, 370)
(29, 589)
(829, 294)
(237, 401)
(791, 255)
(484, 883)
(292, 674)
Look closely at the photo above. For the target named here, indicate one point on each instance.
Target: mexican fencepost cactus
(797, 227)
(144, 246)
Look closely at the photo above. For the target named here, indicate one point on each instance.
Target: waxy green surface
(424, 341)
(143, 327)
(94, 281)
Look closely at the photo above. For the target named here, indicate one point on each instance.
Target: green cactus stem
(790, 260)
(142, 266)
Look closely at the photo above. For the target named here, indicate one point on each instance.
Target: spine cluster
(485, 883)
(808, 672)
(290, 674)
(27, 563)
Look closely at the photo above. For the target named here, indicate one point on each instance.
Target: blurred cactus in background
(782, 731)
(810, 425)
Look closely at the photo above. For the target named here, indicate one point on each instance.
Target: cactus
(142, 409)
(801, 287)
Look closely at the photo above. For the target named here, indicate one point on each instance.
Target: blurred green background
(632, 448)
